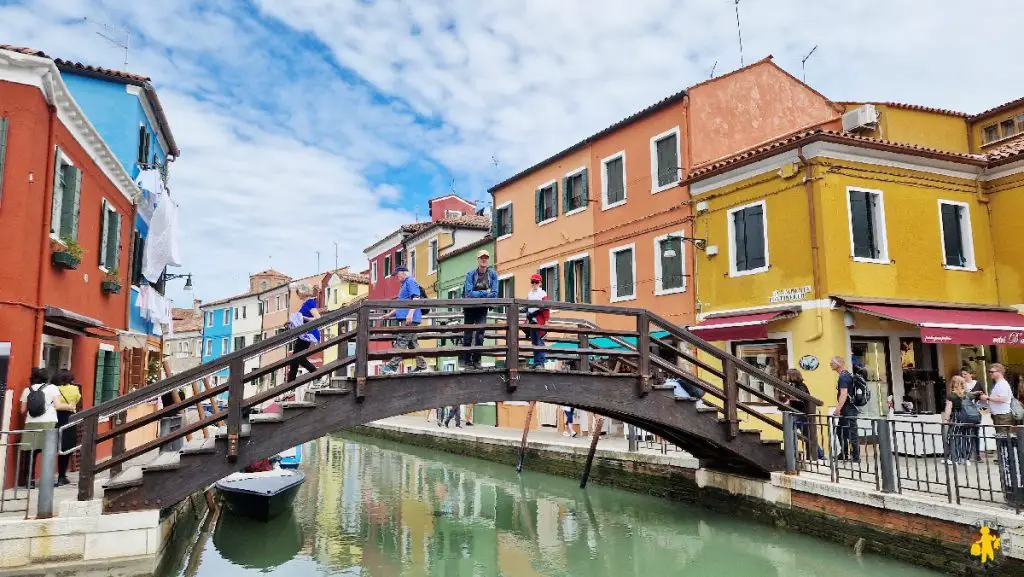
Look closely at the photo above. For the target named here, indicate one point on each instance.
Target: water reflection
(371, 508)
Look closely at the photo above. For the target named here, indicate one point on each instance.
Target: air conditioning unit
(863, 118)
(702, 207)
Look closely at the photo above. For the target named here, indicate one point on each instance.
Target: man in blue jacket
(481, 283)
(409, 290)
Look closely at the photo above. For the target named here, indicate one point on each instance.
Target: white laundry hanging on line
(162, 243)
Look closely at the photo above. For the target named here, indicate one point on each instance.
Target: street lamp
(187, 276)
(698, 243)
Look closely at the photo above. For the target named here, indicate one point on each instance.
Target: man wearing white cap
(481, 283)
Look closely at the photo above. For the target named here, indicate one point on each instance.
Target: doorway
(871, 359)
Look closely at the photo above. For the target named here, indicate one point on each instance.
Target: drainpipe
(44, 247)
(984, 200)
(131, 259)
(815, 263)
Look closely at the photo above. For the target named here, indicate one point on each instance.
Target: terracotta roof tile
(186, 320)
(464, 249)
(794, 140)
(227, 300)
(1006, 151)
(271, 272)
(346, 276)
(466, 221)
(906, 106)
(996, 109)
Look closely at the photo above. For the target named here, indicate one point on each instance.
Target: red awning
(954, 326)
(738, 327)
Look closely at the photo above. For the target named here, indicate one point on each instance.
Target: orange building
(603, 220)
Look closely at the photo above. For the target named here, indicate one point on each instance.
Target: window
(957, 240)
(209, 319)
(225, 346)
(243, 311)
(1007, 128)
(138, 250)
(669, 272)
(623, 273)
(67, 190)
(261, 307)
(748, 239)
(507, 287)
(263, 285)
(549, 280)
(3, 153)
(432, 256)
(990, 134)
(108, 376)
(503, 220)
(771, 356)
(239, 343)
(412, 263)
(353, 288)
(183, 347)
(665, 160)
(453, 293)
(577, 279)
(110, 236)
(258, 337)
(373, 272)
(399, 258)
(452, 213)
(613, 181)
(237, 312)
(867, 226)
(575, 191)
(546, 202)
(227, 316)
(387, 266)
(143, 156)
(209, 347)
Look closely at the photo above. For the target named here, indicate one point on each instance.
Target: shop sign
(789, 294)
(808, 362)
(1014, 338)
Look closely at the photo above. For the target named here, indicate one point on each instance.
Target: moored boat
(290, 458)
(262, 495)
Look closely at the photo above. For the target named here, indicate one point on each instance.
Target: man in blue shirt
(849, 439)
(481, 283)
(409, 290)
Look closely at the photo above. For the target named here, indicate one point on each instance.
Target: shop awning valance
(742, 327)
(954, 326)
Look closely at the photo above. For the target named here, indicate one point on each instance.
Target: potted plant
(111, 284)
(67, 253)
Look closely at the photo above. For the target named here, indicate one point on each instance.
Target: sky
(322, 125)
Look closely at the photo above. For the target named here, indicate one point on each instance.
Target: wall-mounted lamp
(698, 243)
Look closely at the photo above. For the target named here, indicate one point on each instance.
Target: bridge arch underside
(611, 395)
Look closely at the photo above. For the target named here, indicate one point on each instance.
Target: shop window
(546, 202)
(748, 237)
(867, 226)
(871, 360)
(957, 240)
(977, 359)
(577, 280)
(771, 356)
(924, 389)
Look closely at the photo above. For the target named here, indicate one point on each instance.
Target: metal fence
(959, 461)
(18, 499)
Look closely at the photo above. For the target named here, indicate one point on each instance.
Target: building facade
(343, 288)
(218, 317)
(183, 349)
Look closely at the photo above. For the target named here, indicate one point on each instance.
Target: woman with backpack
(66, 405)
(37, 405)
(958, 445)
(306, 313)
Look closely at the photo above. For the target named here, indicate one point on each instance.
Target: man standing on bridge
(409, 317)
(481, 283)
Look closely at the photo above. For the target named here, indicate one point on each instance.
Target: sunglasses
(535, 282)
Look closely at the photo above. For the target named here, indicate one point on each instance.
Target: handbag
(1017, 410)
(969, 413)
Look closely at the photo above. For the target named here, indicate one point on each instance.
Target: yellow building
(341, 289)
(895, 255)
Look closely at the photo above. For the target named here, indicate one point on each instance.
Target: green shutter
(58, 193)
(510, 223)
(570, 282)
(539, 205)
(116, 237)
(585, 193)
(112, 376)
(3, 153)
(104, 229)
(565, 196)
(555, 286)
(585, 297)
(495, 227)
(69, 206)
(98, 382)
(554, 197)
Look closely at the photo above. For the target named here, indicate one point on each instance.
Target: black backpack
(36, 401)
(859, 393)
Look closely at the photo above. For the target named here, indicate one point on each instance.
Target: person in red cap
(537, 316)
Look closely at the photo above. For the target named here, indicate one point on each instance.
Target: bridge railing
(595, 339)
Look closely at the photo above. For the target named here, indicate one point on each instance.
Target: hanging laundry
(152, 186)
(162, 243)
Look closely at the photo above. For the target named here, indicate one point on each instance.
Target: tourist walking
(799, 406)
(537, 316)
(846, 430)
(999, 401)
(481, 283)
(37, 406)
(958, 444)
(974, 389)
(409, 290)
(66, 405)
(570, 426)
(306, 313)
(455, 412)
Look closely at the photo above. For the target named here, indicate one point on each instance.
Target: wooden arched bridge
(610, 371)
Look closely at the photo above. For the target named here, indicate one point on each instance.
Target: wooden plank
(437, 328)
(643, 348)
(526, 432)
(434, 352)
(131, 477)
(731, 398)
(570, 330)
(584, 357)
(87, 459)
(594, 352)
(362, 350)
(236, 400)
(156, 415)
(594, 437)
(512, 344)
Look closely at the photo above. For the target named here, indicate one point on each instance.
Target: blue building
(126, 111)
(217, 319)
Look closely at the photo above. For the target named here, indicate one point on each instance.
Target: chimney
(196, 303)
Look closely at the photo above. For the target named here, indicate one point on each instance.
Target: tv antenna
(803, 62)
(109, 33)
(739, 31)
(713, 66)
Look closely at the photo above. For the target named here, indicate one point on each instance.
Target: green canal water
(372, 508)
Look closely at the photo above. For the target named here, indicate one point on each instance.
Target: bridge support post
(362, 350)
(595, 435)
(731, 398)
(87, 458)
(789, 441)
(526, 431)
(512, 358)
(584, 359)
(886, 464)
(643, 348)
(236, 397)
(117, 443)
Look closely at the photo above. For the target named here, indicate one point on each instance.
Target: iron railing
(957, 461)
(19, 497)
(640, 342)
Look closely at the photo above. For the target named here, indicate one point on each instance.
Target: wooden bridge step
(333, 391)
(130, 477)
(707, 409)
(164, 462)
(297, 405)
(266, 418)
(200, 447)
(751, 431)
(222, 433)
(663, 387)
(770, 442)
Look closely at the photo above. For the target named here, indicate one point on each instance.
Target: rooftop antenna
(803, 62)
(335, 255)
(317, 262)
(713, 66)
(110, 32)
(739, 32)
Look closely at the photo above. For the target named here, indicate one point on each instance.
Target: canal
(369, 507)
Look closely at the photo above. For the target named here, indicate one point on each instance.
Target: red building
(62, 190)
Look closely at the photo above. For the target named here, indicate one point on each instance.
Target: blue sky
(308, 122)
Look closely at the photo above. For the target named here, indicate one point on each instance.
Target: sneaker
(949, 462)
(566, 434)
(388, 370)
(700, 404)
(574, 434)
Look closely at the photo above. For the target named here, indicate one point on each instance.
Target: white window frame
(432, 256)
(542, 187)
(558, 276)
(658, 286)
(373, 272)
(655, 189)
(209, 319)
(880, 228)
(505, 277)
(613, 297)
(225, 345)
(62, 343)
(412, 262)
(278, 302)
(397, 260)
(967, 238)
(572, 259)
(508, 205)
(389, 259)
(569, 175)
(208, 351)
(227, 316)
(107, 207)
(604, 181)
(733, 271)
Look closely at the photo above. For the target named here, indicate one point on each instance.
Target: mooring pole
(595, 435)
(526, 431)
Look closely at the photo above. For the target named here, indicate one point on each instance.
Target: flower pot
(65, 260)
(110, 287)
